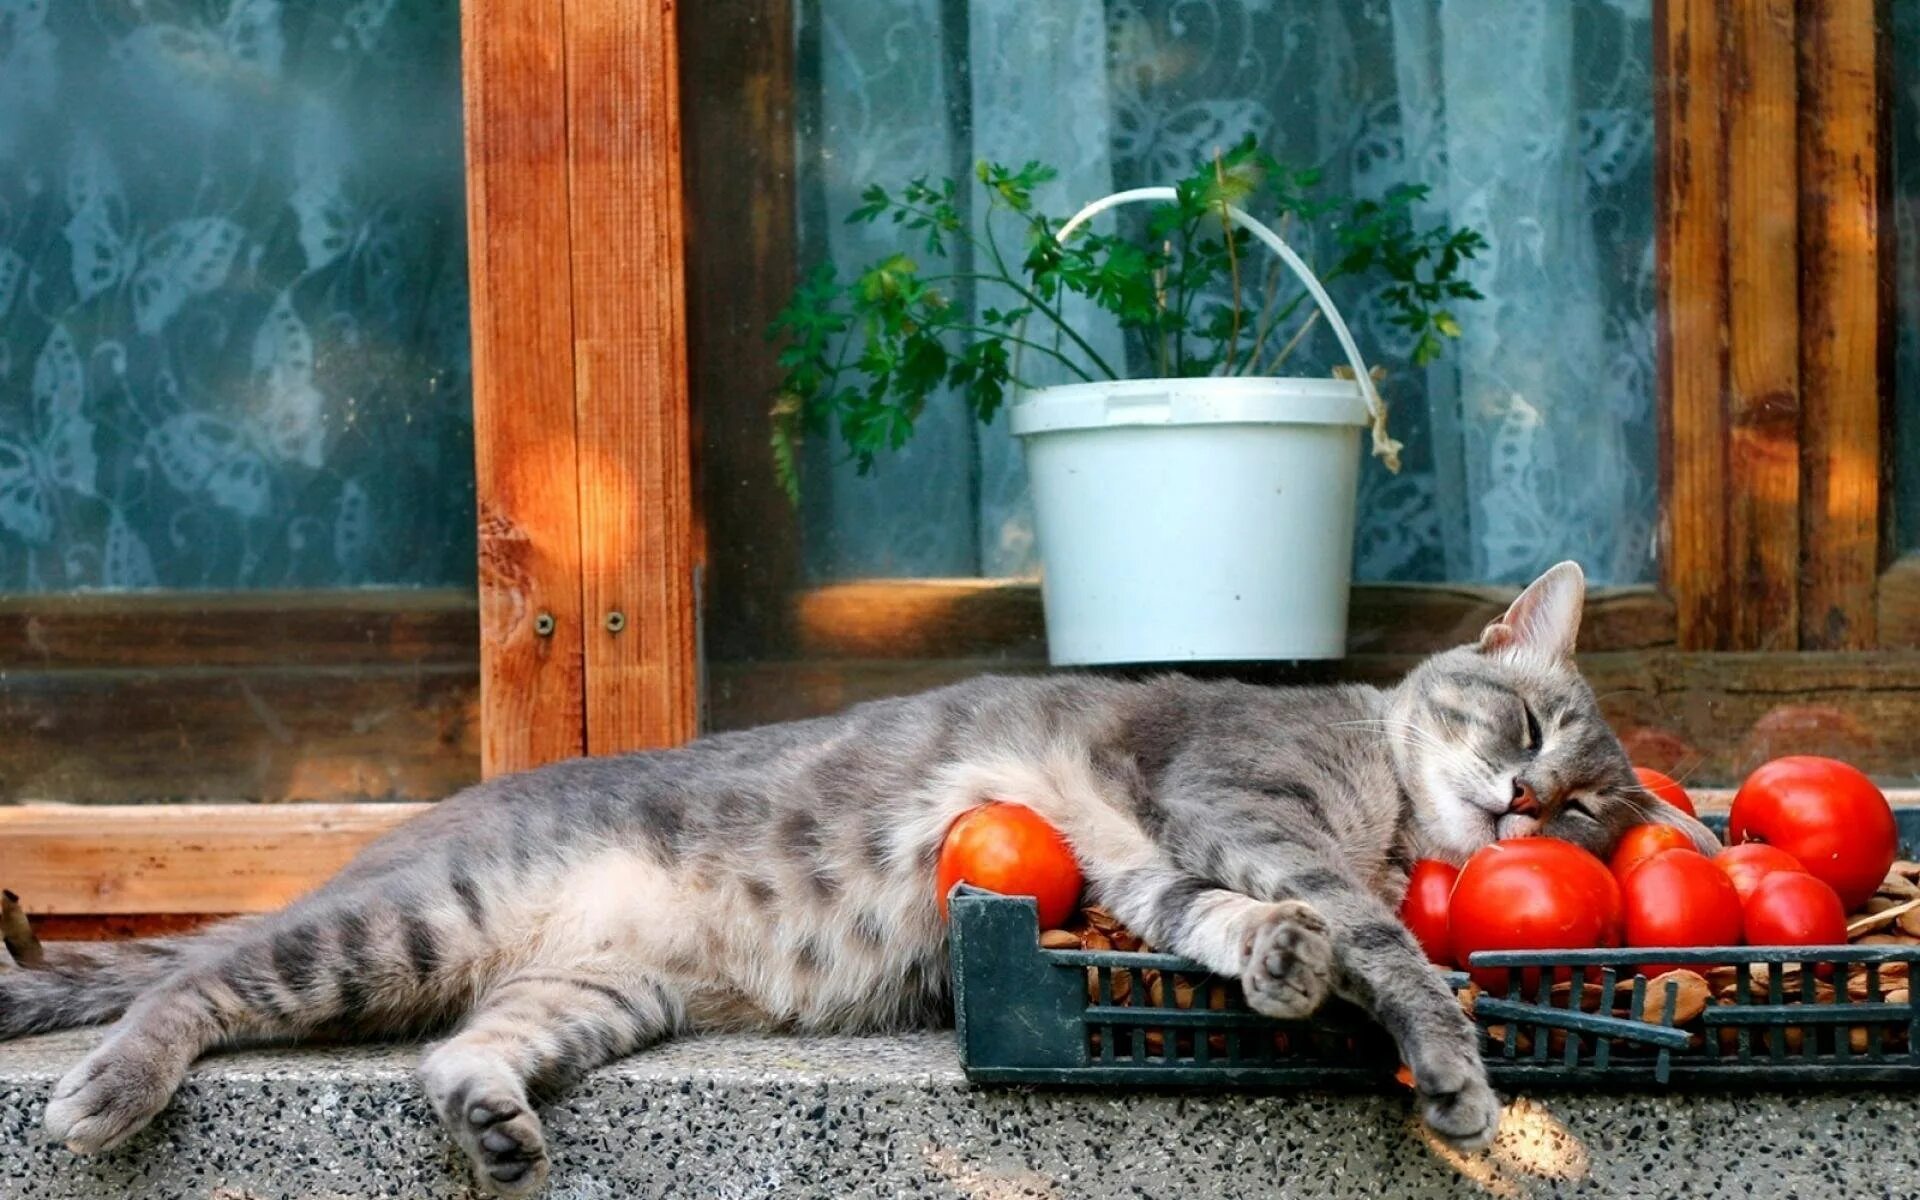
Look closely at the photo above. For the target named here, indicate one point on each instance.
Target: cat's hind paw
(109, 1096)
(503, 1138)
(1289, 963)
(485, 1109)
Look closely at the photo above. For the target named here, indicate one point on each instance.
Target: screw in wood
(543, 624)
(616, 621)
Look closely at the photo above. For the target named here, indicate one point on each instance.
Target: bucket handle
(1384, 448)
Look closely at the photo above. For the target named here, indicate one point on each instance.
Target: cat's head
(1503, 738)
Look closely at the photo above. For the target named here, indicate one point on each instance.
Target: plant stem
(1287, 310)
(1263, 328)
(1294, 340)
(1006, 277)
(1025, 343)
(1186, 297)
(1233, 261)
(1160, 305)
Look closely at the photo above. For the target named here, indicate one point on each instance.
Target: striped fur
(780, 878)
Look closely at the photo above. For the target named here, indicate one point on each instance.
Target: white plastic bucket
(1198, 519)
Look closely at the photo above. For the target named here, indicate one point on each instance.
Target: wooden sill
(976, 618)
(310, 628)
(150, 869)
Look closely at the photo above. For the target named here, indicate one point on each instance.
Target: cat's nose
(1524, 801)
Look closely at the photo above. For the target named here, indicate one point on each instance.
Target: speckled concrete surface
(721, 1118)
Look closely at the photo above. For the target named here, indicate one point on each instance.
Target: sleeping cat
(782, 878)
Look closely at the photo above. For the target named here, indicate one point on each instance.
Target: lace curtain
(1532, 440)
(233, 321)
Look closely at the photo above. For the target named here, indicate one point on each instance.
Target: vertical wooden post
(630, 362)
(1691, 220)
(531, 670)
(580, 394)
(1776, 344)
(1763, 385)
(1846, 353)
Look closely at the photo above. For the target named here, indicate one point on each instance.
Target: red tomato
(1824, 813)
(1667, 788)
(1679, 898)
(1010, 849)
(1532, 894)
(1641, 843)
(1747, 865)
(1790, 908)
(1424, 911)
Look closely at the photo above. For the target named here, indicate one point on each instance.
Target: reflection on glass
(233, 331)
(1532, 441)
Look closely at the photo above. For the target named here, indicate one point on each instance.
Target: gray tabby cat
(781, 878)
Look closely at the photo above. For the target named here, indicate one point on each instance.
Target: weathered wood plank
(223, 733)
(737, 112)
(1763, 387)
(310, 628)
(967, 618)
(1691, 245)
(180, 858)
(629, 332)
(532, 675)
(1846, 348)
(1897, 607)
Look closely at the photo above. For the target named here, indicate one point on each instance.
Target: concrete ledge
(738, 1117)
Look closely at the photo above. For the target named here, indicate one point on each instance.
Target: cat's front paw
(1289, 963)
(1457, 1102)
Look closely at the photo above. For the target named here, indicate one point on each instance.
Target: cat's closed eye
(1534, 737)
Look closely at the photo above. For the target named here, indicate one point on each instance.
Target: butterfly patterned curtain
(1533, 440)
(233, 339)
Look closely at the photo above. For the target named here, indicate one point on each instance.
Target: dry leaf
(1059, 939)
(1899, 887)
(1879, 920)
(1689, 1001)
(18, 933)
(1101, 919)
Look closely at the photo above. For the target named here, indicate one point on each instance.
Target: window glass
(236, 480)
(233, 342)
(1530, 441)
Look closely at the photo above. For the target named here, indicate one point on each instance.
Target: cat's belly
(748, 955)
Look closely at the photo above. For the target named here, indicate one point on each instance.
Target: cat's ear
(1655, 811)
(1544, 620)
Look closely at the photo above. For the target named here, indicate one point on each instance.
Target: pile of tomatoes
(1809, 841)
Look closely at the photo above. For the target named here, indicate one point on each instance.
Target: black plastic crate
(1030, 1015)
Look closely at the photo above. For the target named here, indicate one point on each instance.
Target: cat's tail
(89, 983)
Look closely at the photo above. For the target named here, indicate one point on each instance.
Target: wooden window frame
(588, 281)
